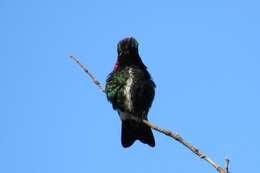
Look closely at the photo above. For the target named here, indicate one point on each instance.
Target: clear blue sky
(203, 56)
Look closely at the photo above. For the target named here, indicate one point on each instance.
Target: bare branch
(186, 144)
(175, 136)
(90, 75)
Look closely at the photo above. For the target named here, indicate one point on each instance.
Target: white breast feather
(126, 116)
(129, 82)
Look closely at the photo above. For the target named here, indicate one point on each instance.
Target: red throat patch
(116, 67)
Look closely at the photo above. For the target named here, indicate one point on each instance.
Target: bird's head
(128, 55)
(127, 46)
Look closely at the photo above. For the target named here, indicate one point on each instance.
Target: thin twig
(164, 131)
(186, 144)
(87, 71)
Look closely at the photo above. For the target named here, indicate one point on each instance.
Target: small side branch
(164, 131)
(227, 161)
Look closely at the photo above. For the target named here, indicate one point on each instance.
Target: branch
(90, 75)
(164, 131)
(189, 146)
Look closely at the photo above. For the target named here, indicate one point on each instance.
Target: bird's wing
(114, 88)
(143, 92)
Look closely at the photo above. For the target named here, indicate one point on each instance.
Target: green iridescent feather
(115, 87)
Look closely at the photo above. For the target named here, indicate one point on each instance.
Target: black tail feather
(132, 130)
(127, 138)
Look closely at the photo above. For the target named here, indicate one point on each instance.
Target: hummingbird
(130, 89)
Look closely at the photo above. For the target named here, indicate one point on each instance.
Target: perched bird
(130, 89)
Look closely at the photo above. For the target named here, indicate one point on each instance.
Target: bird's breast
(127, 91)
(126, 115)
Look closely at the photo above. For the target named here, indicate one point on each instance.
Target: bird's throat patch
(116, 67)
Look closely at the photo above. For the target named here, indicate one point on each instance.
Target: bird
(130, 89)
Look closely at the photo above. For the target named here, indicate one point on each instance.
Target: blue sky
(203, 56)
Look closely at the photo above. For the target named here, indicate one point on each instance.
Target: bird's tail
(133, 130)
